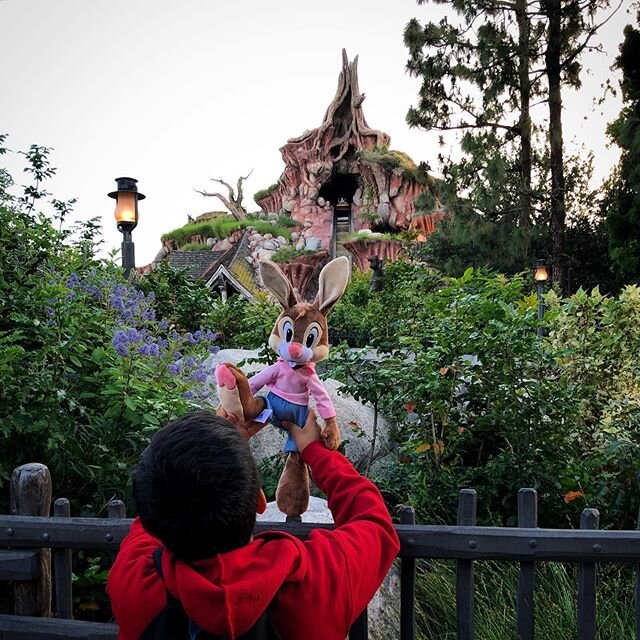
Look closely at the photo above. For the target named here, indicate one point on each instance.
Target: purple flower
(199, 375)
(190, 339)
(190, 363)
(174, 369)
(214, 348)
(50, 311)
(187, 394)
(117, 303)
(163, 325)
(122, 349)
(149, 314)
(72, 281)
(134, 335)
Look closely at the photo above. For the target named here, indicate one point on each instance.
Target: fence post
(62, 567)
(30, 495)
(464, 569)
(637, 590)
(527, 518)
(115, 509)
(407, 585)
(590, 519)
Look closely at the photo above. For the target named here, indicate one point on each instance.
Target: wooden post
(30, 495)
(527, 518)
(407, 585)
(116, 509)
(637, 588)
(62, 567)
(590, 519)
(464, 569)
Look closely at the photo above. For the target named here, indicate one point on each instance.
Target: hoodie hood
(226, 594)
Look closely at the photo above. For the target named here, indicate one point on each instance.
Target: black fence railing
(27, 539)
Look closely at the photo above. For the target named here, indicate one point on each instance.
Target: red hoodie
(317, 587)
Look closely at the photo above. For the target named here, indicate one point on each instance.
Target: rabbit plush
(300, 337)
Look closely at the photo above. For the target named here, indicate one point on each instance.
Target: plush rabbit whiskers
(300, 337)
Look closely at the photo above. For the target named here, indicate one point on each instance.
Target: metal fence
(27, 539)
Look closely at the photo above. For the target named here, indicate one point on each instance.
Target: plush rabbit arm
(276, 282)
(332, 283)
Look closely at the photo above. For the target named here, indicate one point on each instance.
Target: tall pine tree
(480, 76)
(623, 217)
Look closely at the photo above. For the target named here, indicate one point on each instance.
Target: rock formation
(345, 160)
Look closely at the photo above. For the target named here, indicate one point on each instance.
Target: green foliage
(387, 158)
(194, 246)
(623, 214)
(223, 227)
(596, 339)
(368, 212)
(287, 254)
(482, 68)
(88, 369)
(242, 325)
(185, 303)
(476, 399)
(348, 321)
(263, 193)
(495, 594)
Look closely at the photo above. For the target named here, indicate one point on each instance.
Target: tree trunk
(524, 81)
(553, 10)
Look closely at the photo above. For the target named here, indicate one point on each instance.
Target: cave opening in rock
(341, 185)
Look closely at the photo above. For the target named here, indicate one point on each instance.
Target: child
(196, 489)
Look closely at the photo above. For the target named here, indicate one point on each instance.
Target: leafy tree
(88, 368)
(480, 76)
(476, 79)
(623, 214)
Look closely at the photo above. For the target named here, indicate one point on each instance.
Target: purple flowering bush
(123, 374)
(89, 366)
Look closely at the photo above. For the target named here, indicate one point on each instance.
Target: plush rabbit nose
(295, 349)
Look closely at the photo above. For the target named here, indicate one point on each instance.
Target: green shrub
(476, 399)
(195, 246)
(88, 368)
(263, 193)
(287, 254)
(222, 228)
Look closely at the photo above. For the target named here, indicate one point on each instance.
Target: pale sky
(174, 92)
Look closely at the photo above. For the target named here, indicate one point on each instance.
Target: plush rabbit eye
(287, 331)
(312, 336)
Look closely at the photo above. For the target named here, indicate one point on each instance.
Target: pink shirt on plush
(294, 385)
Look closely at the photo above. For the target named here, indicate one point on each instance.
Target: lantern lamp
(126, 214)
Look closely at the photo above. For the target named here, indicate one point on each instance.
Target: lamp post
(126, 213)
(541, 275)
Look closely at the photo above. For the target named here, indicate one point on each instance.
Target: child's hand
(305, 435)
(245, 429)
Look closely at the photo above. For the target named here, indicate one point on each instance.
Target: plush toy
(300, 337)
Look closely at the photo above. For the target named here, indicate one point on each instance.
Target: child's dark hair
(196, 487)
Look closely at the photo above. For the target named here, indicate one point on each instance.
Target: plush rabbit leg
(292, 494)
(235, 394)
(331, 434)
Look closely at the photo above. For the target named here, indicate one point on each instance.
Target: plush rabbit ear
(333, 281)
(276, 282)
